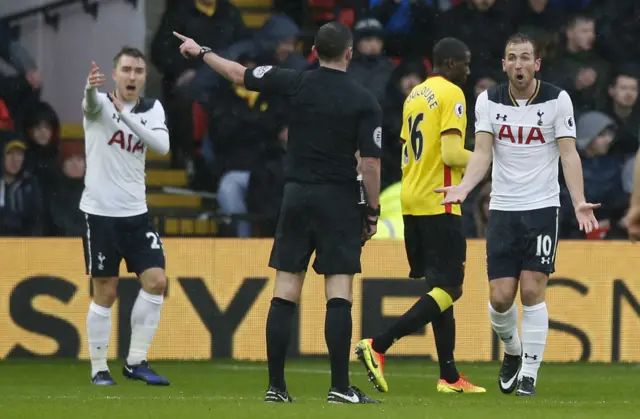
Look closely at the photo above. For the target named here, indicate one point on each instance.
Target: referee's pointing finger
(180, 37)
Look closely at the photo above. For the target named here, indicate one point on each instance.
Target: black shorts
(436, 248)
(108, 240)
(521, 241)
(324, 218)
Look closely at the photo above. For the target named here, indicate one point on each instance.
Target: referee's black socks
(424, 311)
(337, 333)
(279, 323)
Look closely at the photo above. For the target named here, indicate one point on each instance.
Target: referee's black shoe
(275, 395)
(352, 396)
(508, 379)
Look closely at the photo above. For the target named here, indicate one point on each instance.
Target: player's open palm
(96, 78)
(452, 194)
(587, 221)
(189, 47)
(632, 223)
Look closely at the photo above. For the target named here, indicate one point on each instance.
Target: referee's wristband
(373, 212)
(203, 51)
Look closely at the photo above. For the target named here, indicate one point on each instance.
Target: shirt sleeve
(452, 118)
(269, 79)
(483, 123)
(565, 124)
(157, 117)
(370, 130)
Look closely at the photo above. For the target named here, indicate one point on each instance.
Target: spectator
(266, 187)
(274, 43)
(20, 198)
(622, 108)
(242, 125)
(407, 75)
(217, 24)
(23, 89)
(66, 217)
(579, 69)
(620, 29)
(408, 25)
(484, 26)
(602, 171)
(540, 19)
(42, 134)
(370, 66)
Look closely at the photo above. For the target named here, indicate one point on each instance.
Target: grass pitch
(229, 390)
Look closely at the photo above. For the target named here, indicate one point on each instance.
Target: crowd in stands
(234, 140)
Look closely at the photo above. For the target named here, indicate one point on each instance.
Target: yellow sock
(443, 299)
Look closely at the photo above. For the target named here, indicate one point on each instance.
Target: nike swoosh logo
(352, 399)
(506, 384)
(129, 370)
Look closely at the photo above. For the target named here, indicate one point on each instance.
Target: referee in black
(332, 120)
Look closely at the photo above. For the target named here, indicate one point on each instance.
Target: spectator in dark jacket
(578, 68)
(217, 24)
(409, 25)
(624, 110)
(266, 187)
(540, 19)
(41, 132)
(66, 217)
(602, 172)
(21, 211)
(407, 75)
(274, 43)
(370, 67)
(242, 125)
(484, 26)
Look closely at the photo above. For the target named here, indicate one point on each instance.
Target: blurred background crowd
(228, 143)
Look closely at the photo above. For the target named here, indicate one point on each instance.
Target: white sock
(506, 327)
(98, 334)
(535, 328)
(145, 318)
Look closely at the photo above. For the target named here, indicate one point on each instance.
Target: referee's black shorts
(436, 248)
(324, 218)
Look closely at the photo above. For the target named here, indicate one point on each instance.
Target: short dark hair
(332, 40)
(624, 70)
(130, 52)
(580, 17)
(522, 38)
(449, 49)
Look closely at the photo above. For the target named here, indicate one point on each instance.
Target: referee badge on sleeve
(259, 72)
(377, 136)
(459, 109)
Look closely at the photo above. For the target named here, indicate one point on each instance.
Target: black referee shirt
(331, 117)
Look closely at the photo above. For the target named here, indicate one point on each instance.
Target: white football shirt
(525, 150)
(115, 177)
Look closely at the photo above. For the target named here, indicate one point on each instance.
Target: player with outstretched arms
(525, 126)
(119, 127)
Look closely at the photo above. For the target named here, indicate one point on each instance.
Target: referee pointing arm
(332, 119)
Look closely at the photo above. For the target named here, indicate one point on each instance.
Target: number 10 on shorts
(544, 245)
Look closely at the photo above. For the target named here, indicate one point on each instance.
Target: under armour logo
(540, 117)
(101, 259)
(143, 121)
(527, 356)
(504, 117)
(116, 117)
(546, 261)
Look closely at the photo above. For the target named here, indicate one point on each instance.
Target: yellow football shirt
(434, 108)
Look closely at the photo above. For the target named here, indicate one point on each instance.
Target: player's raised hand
(189, 47)
(116, 102)
(587, 221)
(96, 78)
(453, 194)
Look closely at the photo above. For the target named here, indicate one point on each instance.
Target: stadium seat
(347, 17)
(6, 123)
